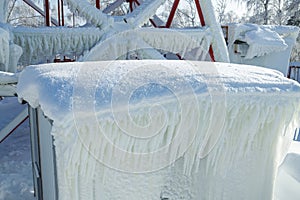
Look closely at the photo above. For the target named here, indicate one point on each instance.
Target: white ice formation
(165, 129)
(42, 44)
(267, 46)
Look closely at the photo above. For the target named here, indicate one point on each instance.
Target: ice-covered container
(156, 129)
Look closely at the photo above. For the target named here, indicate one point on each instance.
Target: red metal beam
(58, 11)
(172, 13)
(39, 10)
(98, 4)
(47, 12)
(200, 13)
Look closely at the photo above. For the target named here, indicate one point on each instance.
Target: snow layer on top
(181, 41)
(262, 40)
(144, 12)
(6, 77)
(52, 85)
(42, 44)
(200, 128)
(90, 13)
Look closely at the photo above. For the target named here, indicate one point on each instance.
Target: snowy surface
(7, 77)
(192, 44)
(268, 46)
(4, 49)
(218, 42)
(43, 44)
(288, 177)
(3, 10)
(90, 13)
(15, 168)
(236, 146)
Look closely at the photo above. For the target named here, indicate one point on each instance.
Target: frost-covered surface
(251, 138)
(42, 44)
(144, 12)
(218, 42)
(4, 49)
(6, 77)
(3, 10)
(8, 83)
(269, 46)
(15, 168)
(90, 13)
(288, 178)
(181, 41)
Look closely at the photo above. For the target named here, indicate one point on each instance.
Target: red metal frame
(132, 5)
(47, 13)
(172, 13)
(39, 10)
(98, 4)
(15, 128)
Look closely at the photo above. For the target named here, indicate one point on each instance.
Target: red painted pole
(98, 4)
(200, 14)
(172, 13)
(47, 12)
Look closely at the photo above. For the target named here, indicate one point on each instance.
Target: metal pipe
(39, 10)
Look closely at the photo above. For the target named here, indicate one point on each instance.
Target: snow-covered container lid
(155, 129)
(54, 86)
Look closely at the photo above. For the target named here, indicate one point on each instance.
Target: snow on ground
(15, 160)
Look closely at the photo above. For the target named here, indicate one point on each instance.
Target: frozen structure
(160, 129)
(267, 46)
(215, 133)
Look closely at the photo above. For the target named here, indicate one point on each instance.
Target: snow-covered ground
(15, 159)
